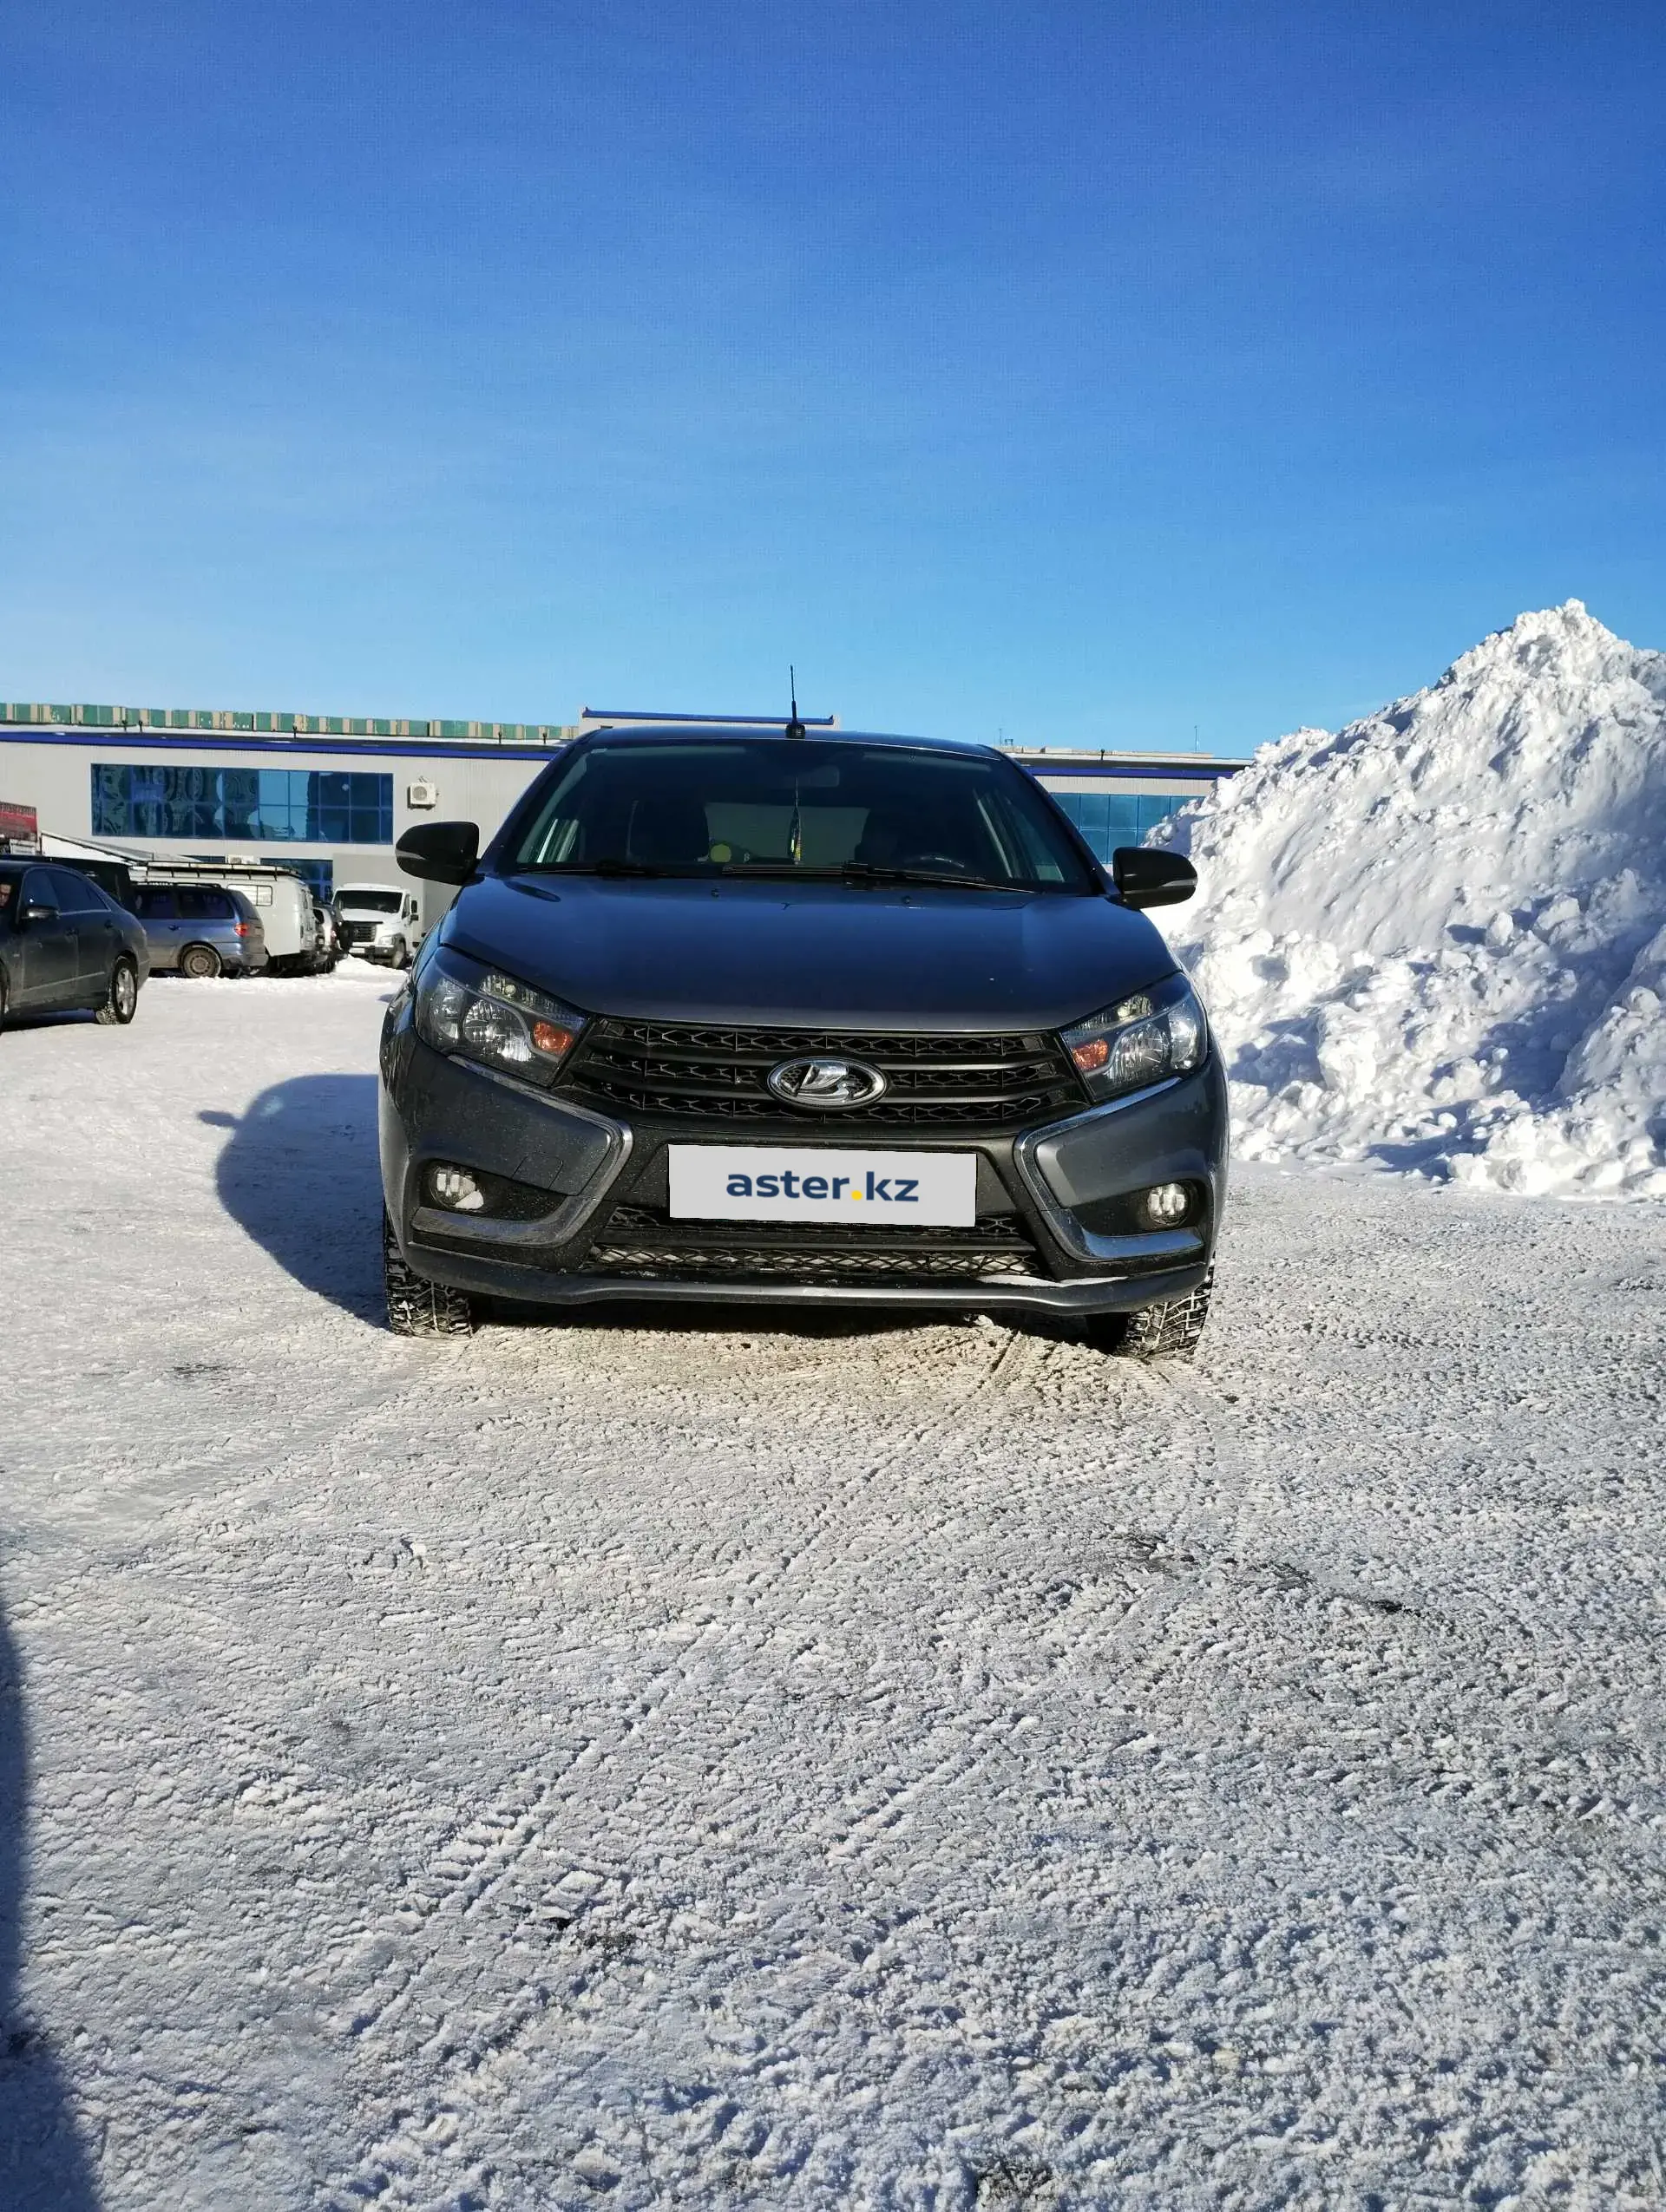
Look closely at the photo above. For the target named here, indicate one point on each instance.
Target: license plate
(881, 1190)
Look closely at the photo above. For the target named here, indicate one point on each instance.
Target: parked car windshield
(370, 902)
(784, 806)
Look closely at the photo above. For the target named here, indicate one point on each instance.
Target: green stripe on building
(272, 722)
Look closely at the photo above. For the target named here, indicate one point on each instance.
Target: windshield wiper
(865, 872)
(593, 868)
(780, 868)
(781, 871)
(869, 871)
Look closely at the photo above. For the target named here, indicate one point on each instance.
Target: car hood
(828, 954)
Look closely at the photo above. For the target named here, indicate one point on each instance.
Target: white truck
(379, 921)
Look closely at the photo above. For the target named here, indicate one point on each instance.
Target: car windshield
(782, 807)
(370, 902)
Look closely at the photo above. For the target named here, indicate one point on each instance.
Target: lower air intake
(687, 1262)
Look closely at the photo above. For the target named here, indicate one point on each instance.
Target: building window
(319, 876)
(1107, 819)
(282, 805)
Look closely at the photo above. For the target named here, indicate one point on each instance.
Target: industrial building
(329, 795)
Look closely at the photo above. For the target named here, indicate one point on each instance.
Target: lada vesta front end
(824, 1019)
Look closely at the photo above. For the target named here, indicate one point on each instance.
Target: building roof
(170, 729)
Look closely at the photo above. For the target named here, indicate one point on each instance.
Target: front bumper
(1049, 1196)
(370, 941)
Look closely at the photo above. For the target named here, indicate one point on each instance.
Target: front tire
(201, 961)
(1170, 1330)
(122, 1002)
(418, 1307)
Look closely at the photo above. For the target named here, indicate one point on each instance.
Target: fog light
(455, 1189)
(1168, 1205)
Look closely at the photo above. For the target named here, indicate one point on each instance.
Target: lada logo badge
(826, 1086)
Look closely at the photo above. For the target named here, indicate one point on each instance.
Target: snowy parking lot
(719, 1762)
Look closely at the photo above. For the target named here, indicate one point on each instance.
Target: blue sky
(1083, 372)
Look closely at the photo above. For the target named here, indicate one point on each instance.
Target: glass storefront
(303, 806)
(1107, 819)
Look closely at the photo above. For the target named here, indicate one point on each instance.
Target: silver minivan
(200, 929)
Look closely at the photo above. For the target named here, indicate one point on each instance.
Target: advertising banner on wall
(20, 828)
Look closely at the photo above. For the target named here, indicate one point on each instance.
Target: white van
(379, 922)
(284, 904)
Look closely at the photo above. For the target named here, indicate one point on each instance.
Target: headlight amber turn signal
(1144, 1038)
(476, 1013)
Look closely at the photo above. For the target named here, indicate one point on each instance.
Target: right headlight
(478, 1013)
(1144, 1038)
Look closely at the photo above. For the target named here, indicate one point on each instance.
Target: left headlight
(1144, 1038)
(480, 1014)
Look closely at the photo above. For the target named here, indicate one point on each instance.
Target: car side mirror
(37, 912)
(1147, 876)
(440, 852)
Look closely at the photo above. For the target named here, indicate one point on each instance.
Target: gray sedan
(64, 944)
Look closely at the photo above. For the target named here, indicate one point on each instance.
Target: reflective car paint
(835, 955)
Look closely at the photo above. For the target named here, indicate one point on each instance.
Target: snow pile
(1438, 940)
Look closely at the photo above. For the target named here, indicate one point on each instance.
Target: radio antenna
(795, 727)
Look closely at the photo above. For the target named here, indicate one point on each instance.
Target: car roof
(694, 733)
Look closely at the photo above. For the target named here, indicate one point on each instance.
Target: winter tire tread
(418, 1307)
(1170, 1330)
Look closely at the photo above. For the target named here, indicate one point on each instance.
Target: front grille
(644, 1241)
(688, 1072)
(684, 1262)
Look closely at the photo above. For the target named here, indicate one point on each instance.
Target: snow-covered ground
(1438, 940)
(840, 1766)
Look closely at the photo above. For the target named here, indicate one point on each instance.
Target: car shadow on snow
(299, 1173)
(43, 2166)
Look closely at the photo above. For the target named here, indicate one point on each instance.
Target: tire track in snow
(476, 1861)
(1135, 1833)
(473, 1866)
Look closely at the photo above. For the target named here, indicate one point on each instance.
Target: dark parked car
(64, 944)
(811, 1018)
(201, 929)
